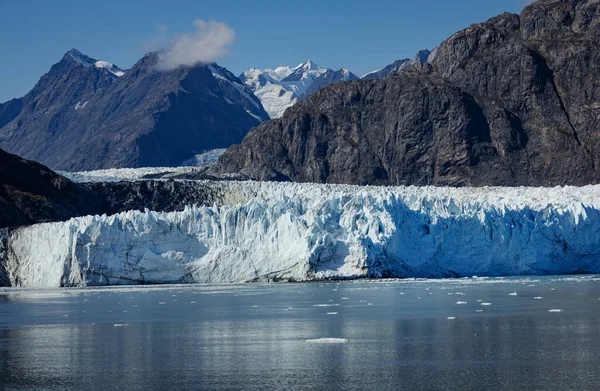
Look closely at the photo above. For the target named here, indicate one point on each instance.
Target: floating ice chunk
(538, 298)
(479, 301)
(327, 340)
(486, 304)
(478, 310)
(513, 294)
(459, 293)
(332, 313)
(192, 302)
(162, 303)
(555, 310)
(461, 302)
(345, 298)
(451, 317)
(326, 305)
(121, 324)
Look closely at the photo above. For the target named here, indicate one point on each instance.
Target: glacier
(282, 87)
(302, 232)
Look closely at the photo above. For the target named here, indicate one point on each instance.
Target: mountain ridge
(82, 115)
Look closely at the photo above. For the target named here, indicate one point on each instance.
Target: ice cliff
(274, 231)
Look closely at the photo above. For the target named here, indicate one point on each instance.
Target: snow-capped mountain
(281, 87)
(422, 57)
(89, 114)
(88, 62)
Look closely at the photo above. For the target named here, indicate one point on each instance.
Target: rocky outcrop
(511, 101)
(87, 114)
(32, 193)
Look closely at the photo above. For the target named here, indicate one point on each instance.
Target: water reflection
(238, 340)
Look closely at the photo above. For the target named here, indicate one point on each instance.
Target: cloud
(208, 43)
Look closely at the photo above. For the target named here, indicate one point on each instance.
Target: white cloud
(208, 43)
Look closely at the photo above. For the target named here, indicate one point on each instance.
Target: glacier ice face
(274, 231)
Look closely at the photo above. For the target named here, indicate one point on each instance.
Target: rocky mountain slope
(88, 114)
(282, 87)
(511, 101)
(32, 193)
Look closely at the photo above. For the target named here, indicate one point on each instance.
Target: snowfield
(289, 231)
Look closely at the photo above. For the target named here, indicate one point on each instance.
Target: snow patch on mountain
(110, 67)
(274, 231)
(89, 62)
(207, 158)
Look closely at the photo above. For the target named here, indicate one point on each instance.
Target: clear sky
(362, 35)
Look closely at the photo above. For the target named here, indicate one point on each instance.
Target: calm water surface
(392, 335)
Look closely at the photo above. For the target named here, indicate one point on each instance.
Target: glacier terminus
(300, 232)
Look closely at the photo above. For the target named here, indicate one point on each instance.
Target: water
(390, 335)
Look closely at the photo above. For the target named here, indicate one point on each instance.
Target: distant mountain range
(88, 114)
(280, 88)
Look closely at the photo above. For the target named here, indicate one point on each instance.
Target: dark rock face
(81, 116)
(512, 101)
(32, 193)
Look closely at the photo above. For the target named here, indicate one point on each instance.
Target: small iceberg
(328, 340)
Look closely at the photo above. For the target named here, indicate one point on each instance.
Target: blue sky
(362, 35)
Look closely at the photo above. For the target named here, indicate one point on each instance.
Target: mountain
(32, 193)
(422, 57)
(87, 114)
(511, 101)
(282, 87)
(330, 77)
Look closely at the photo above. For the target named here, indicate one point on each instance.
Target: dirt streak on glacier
(301, 232)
